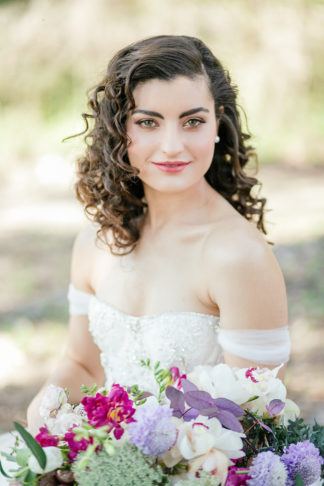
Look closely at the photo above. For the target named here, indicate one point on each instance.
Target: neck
(176, 208)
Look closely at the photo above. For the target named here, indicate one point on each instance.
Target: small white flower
(54, 460)
(53, 398)
(262, 382)
(65, 418)
(79, 410)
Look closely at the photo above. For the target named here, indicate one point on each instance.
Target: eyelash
(142, 122)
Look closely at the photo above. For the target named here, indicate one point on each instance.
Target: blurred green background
(51, 52)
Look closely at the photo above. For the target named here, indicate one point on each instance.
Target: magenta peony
(110, 410)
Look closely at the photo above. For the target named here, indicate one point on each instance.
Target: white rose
(65, 418)
(219, 381)
(54, 460)
(79, 410)
(290, 411)
(262, 382)
(54, 397)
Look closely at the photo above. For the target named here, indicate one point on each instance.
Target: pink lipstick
(176, 166)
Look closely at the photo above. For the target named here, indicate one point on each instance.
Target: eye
(147, 123)
(194, 122)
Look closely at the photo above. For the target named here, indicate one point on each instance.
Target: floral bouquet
(217, 426)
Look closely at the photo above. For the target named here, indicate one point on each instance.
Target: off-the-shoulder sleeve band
(78, 301)
(266, 346)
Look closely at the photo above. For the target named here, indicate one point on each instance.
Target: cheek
(204, 148)
(140, 145)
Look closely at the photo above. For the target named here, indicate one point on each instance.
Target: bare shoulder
(243, 277)
(238, 244)
(83, 254)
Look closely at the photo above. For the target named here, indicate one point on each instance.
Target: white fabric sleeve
(78, 301)
(267, 346)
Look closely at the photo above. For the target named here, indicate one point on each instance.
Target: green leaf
(32, 444)
(93, 389)
(299, 481)
(9, 457)
(22, 456)
(2, 471)
(141, 402)
(29, 479)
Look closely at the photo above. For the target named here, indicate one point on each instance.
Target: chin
(170, 186)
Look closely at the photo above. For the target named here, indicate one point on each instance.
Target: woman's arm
(80, 363)
(246, 283)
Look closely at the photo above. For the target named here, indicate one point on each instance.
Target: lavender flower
(154, 432)
(268, 470)
(302, 458)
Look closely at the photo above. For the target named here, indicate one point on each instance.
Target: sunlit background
(52, 51)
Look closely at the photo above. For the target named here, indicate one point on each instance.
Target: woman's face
(172, 131)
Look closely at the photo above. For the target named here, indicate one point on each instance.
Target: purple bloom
(154, 432)
(302, 458)
(202, 403)
(268, 470)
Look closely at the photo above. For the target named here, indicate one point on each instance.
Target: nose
(171, 141)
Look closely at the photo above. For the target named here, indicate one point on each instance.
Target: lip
(171, 166)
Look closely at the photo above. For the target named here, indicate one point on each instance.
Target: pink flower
(249, 374)
(45, 439)
(76, 445)
(234, 479)
(175, 377)
(110, 410)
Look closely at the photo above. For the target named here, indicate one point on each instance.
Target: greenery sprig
(162, 377)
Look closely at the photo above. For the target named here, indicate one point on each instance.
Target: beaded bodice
(183, 339)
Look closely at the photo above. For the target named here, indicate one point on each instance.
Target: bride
(174, 265)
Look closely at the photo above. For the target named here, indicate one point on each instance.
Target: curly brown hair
(108, 186)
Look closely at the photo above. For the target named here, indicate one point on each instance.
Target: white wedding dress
(182, 339)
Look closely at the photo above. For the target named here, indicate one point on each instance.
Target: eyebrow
(185, 113)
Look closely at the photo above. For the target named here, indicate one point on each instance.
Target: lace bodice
(183, 339)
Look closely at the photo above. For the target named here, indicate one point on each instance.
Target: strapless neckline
(114, 309)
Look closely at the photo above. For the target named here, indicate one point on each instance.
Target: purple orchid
(202, 403)
(275, 407)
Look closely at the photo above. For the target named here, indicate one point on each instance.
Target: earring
(217, 139)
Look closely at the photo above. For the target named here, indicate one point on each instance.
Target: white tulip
(54, 459)
(219, 381)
